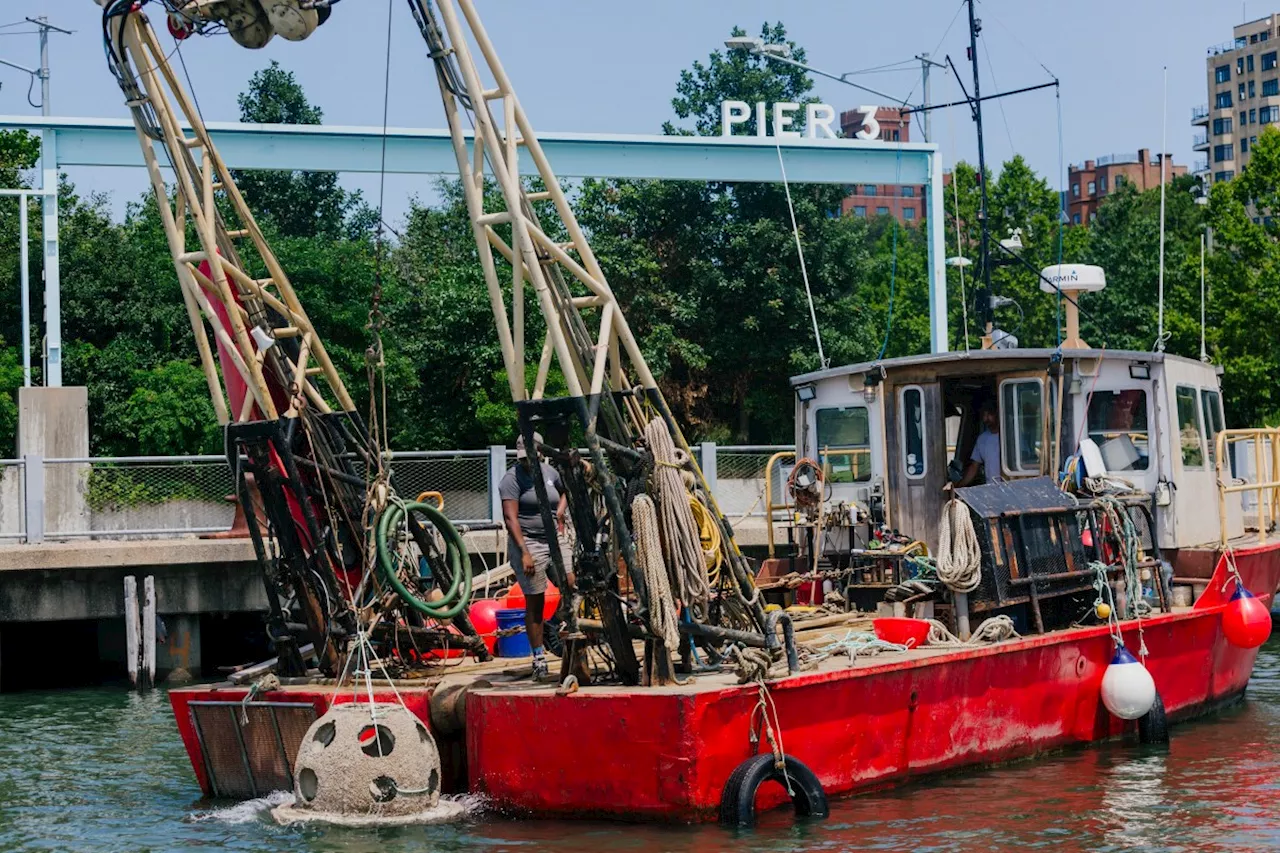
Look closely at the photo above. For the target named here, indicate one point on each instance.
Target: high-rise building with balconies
(1244, 97)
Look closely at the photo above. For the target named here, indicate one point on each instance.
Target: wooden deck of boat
(512, 675)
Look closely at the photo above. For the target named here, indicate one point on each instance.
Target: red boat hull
(665, 753)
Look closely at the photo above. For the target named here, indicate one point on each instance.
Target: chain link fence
(150, 496)
(741, 477)
(137, 496)
(461, 477)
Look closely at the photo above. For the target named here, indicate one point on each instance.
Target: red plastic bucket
(905, 632)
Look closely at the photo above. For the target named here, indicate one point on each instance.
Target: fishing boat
(1096, 585)
(885, 435)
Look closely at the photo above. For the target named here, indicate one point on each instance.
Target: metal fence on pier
(141, 497)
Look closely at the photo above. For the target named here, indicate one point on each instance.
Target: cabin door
(916, 460)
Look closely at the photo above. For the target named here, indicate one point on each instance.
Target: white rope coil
(959, 557)
(993, 630)
(681, 544)
(662, 607)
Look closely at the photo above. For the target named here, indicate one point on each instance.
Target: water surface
(103, 770)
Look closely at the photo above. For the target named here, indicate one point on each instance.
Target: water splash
(473, 805)
(244, 812)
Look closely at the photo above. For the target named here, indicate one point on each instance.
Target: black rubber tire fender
(1153, 726)
(738, 799)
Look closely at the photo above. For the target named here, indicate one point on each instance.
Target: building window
(895, 136)
(1189, 431)
(1244, 145)
(1222, 153)
(859, 210)
(1075, 219)
(1093, 187)
(882, 211)
(1211, 409)
(1269, 61)
(1022, 420)
(869, 189)
(1102, 183)
(845, 438)
(908, 213)
(1222, 74)
(1224, 176)
(1244, 118)
(1250, 58)
(1221, 126)
(1266, 115)
(1240, 91)
(1253, 39)
(1253, 140)
(1264, 35)
(1118, 425)
(1075, 191)
(908, 192)
(911, 406)
(1270, 87)
(1120, 180)
(1253, 93)
(1253, 117)
(1093, 216)
(1240, 66)
(1222, 101)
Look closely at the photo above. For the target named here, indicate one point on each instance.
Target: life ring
(738, 799)
(1153, 726)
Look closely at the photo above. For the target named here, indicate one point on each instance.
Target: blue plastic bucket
(516, 645)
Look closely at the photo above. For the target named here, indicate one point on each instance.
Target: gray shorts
(535, 582)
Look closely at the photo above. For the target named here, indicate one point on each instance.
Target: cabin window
(1189, 427)
(1022, 425)
(844, 444)
(1118, 425)
(1211, 409)
(911, 410)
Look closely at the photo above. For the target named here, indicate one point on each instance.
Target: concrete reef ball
(360, 759)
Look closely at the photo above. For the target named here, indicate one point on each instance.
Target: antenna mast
(984, 258)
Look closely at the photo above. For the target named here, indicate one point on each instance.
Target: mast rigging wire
(804, 270)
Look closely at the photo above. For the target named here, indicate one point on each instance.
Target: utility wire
(999, 103)
(937, 47)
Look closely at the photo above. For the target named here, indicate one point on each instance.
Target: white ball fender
(1128, 691)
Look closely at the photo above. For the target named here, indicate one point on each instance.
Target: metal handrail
(1268, 489)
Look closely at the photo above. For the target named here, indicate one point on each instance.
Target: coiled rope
(681, 546)
(993, 630)
(959, 563)
(662, 608)
(458, 595)
(708, 537)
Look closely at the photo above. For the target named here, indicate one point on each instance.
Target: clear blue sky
(607, 66)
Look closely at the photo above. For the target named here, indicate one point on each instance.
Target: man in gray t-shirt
(986, 450)
(528, 540)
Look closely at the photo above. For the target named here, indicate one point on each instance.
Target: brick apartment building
(1088, 183)
(1244, 96)
(905, 202)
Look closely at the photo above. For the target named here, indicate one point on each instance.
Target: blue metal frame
(114, 142)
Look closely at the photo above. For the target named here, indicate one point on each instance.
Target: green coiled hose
(459, 593)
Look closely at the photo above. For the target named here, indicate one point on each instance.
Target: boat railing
(1264, 485)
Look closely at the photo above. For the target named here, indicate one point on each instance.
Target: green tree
(299, 204)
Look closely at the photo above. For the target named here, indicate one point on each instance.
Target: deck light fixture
(1139, 370)
(806, 393)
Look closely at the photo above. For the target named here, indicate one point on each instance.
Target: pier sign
(780, 116)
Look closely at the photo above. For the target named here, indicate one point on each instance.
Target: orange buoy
(1246, 622)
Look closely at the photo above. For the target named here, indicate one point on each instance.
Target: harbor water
(102, 769)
